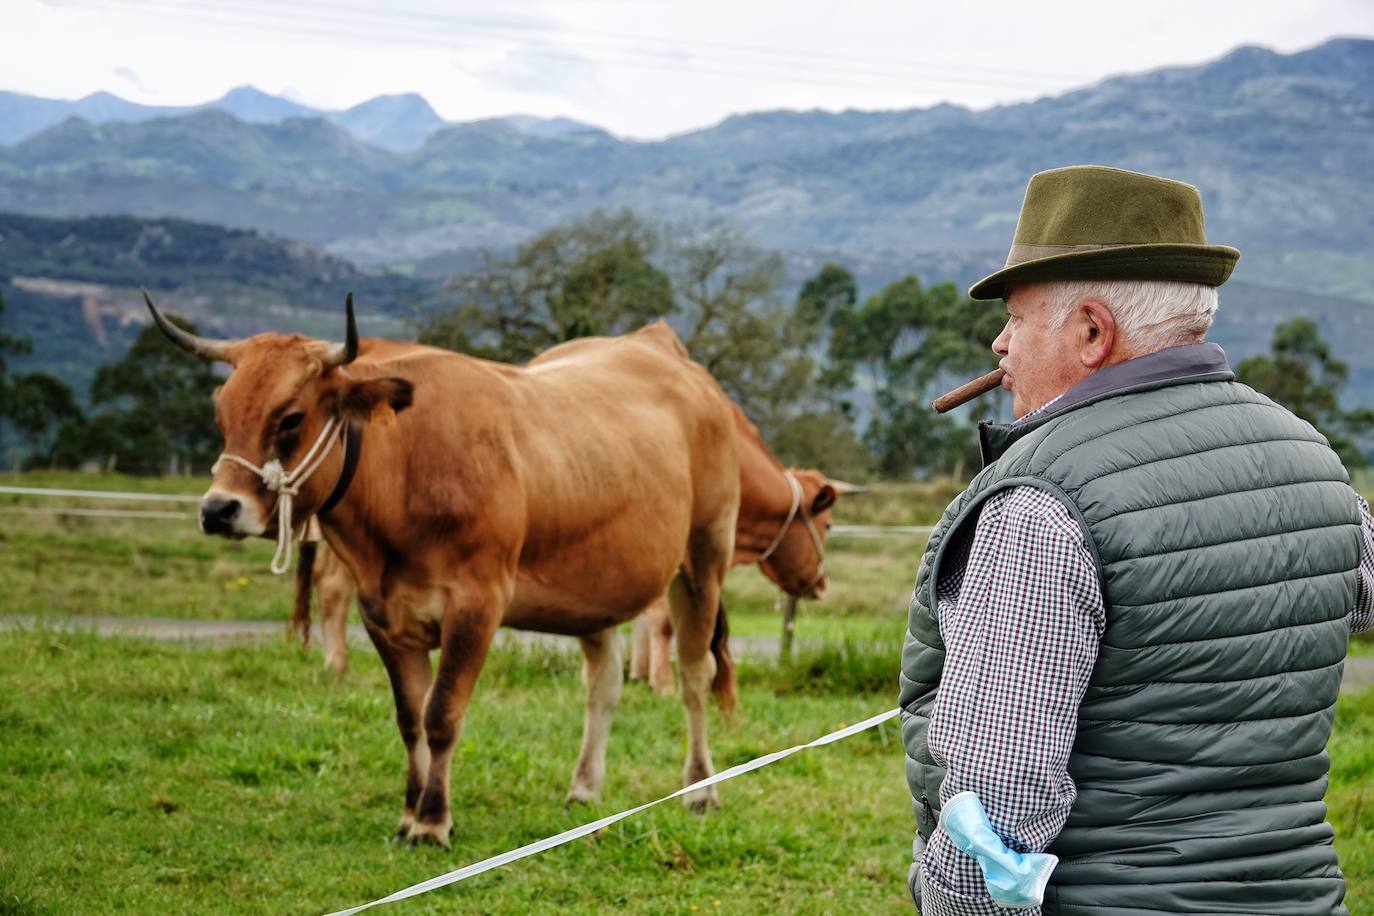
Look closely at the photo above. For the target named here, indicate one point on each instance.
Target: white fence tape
(92, 513)
(567, 836)
(872, 531)
(99, 494)
(841, 530)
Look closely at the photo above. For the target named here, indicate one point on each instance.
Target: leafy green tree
(817, 428)
(592, 276)
(612, 273)
(38, 404)
(1301, 374)
(14, 346)
(825, 302)
(730, 314)
(903, 344)
(151, 414)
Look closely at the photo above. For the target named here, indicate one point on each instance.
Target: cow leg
(693, 597)
(660, 624)
(639, 648)
(651, 656)
(410, 676)
(601, 672)
(335, 594)
(465, 637)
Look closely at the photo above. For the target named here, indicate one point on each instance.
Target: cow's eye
(291, 422)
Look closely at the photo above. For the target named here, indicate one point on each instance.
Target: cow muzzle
(229, 515)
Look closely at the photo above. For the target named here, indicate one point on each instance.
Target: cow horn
(200, 346)
(843, 487)
(344, 353)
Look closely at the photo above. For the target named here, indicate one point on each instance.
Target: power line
(640, 51)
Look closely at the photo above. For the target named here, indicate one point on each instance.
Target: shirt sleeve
(1362, 617)
(1021, 614)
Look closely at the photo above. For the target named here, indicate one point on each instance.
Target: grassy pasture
(145, 777)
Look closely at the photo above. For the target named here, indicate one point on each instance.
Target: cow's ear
(375, 399)
(825, 498)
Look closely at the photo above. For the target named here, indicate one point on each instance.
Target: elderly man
(1125, 641)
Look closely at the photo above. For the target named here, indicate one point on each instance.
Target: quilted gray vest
(1227, 541)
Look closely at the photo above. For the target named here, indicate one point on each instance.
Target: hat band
(1021, 253)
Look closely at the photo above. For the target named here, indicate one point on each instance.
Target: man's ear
(1097, 334)
(825, 498)
(375, 399)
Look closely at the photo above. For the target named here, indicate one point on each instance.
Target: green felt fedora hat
(1090, 222)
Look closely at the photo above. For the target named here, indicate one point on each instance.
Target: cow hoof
(429, 834)
(702, 800)
(404, 827)
(666, 688)
(580, 795)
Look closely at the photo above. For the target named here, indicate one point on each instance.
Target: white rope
(287, 485)
(568, 836)
(810, 527)
(791, 514)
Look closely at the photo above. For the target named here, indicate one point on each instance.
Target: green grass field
(139, 776)
(145, 777)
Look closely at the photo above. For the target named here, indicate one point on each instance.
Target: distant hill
(1280, 144)
(72, 287)
(393, 122)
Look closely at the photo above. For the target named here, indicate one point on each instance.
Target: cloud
(127, 75)
(539, 70)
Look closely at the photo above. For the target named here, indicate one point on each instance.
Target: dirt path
(1359, 671)
(233, 630)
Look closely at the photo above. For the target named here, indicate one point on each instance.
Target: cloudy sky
(641, 68)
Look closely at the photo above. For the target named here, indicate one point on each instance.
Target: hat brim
(1207, 264)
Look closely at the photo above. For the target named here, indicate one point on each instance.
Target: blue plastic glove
(1015, 879)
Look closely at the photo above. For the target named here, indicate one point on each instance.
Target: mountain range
(1281, 146)
(394, 122)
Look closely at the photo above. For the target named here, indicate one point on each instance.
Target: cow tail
(724, 685)
(305, 573)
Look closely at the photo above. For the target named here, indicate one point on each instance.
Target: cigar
(968, 391)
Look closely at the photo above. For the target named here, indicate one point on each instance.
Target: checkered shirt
(1021, 613)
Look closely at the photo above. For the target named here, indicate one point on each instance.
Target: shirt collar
(1199, 362)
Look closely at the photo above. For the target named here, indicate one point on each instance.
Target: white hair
(1150, 314)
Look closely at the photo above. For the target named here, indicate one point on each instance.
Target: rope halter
(287, 484)
(810, 527)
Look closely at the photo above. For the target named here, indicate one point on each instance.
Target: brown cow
(562, 497)
(780, 527)
(784, 516)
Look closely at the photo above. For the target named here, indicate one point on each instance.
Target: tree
(729, 312)
(902, 343)
(14, 346)
(153, 412)
(591, 276)
(38, 404)
(817, 427)
(1301, 374)
(824, 302)
(612, 273)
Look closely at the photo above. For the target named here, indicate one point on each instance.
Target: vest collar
(1199, 362)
